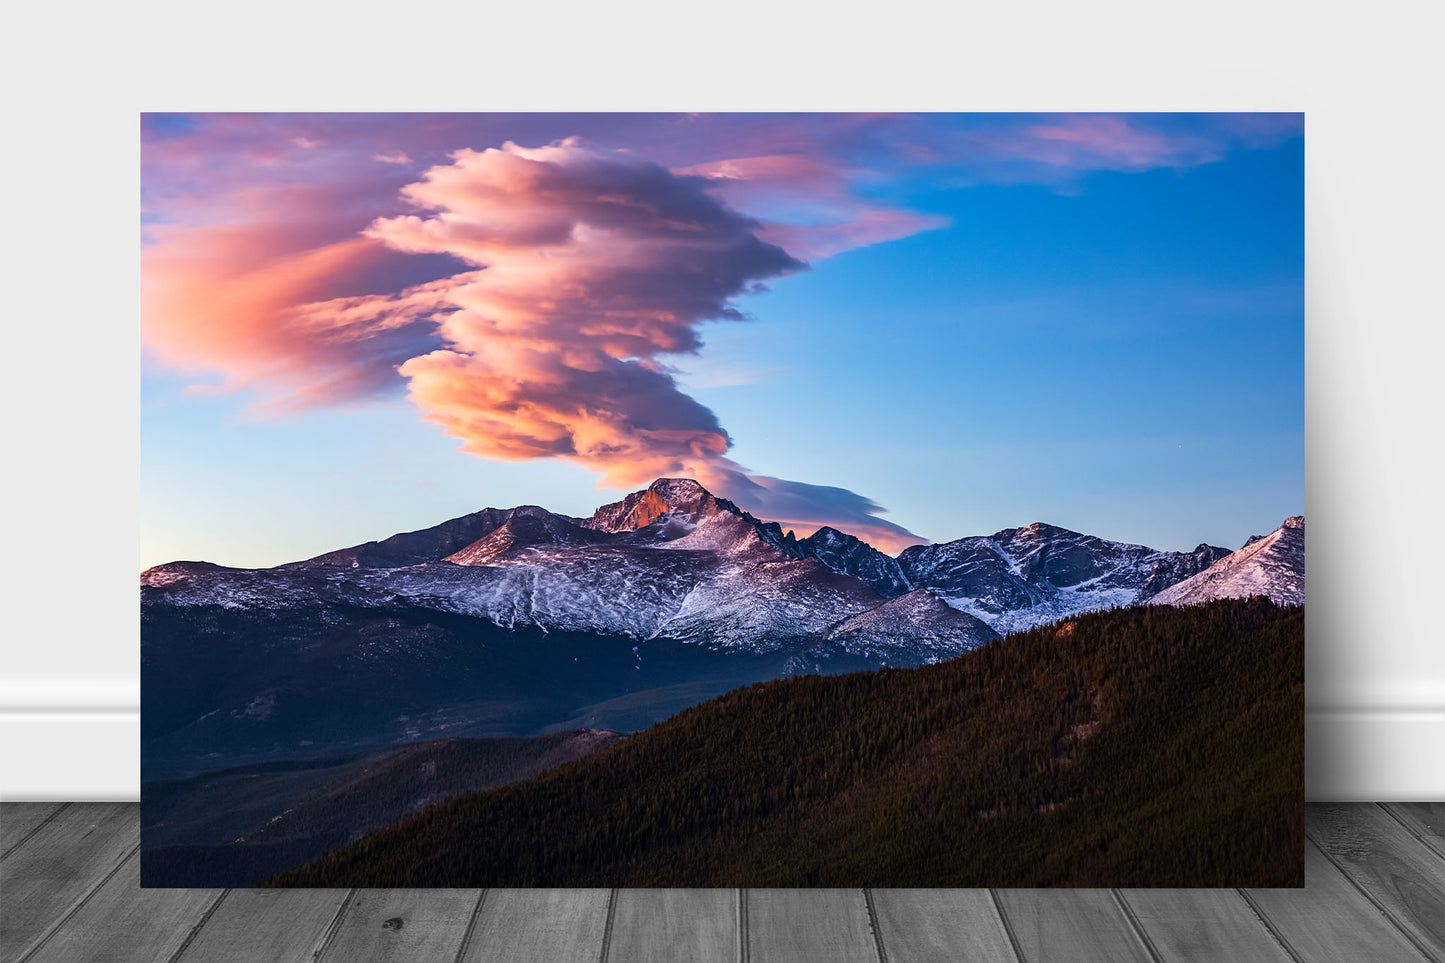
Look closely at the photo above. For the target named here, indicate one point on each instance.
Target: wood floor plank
(266, 926)
(809, 926)
(941, 926)
(66, 859)
(539, 926)
(122, 923)
(392, 925)
(1425, 819)
(1079, 925)
(674, 926)
(1388, 863)
(1202, 926)
(20, 819)
(1329, 920)
(1428, 816)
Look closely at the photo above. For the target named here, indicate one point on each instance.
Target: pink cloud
(1105, 141)
(263, 321)
(531, 300)
(580, 271)
(814, 212)
(1062, 149)
(594, 266)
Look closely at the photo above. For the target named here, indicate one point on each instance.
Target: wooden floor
(69, 891)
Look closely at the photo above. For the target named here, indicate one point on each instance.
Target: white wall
(1376, 667)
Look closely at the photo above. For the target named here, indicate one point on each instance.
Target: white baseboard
(70, 754)
(1355, 755)
(1351, 754)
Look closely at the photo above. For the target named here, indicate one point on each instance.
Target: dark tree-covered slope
(1147, 746)
(236, 827)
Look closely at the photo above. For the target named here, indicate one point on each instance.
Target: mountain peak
(664, 496)
(678, 488)
(1272, 565)
(1034, 530)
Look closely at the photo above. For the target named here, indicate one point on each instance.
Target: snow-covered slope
(412, 548)
(526, 527)
(1022, 577)
(671, 562)
(852, 556)
(901, 630)
(674, 561)
(1272, 565)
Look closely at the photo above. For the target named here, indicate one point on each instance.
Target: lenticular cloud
(592, 266)
(581, 270)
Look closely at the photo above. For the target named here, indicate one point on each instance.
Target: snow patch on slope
(1273, 565)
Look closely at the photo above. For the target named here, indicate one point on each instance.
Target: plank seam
(1269, 927)
(196, 929)
(1008, 928)
(607, 931)
(1424, 950)
(471, 927)
(742, 925)
(79, 904)
(35, 829)
(329, 936)
(1426, 841)
(1136, 926)
(1396, 817)
(873, 926)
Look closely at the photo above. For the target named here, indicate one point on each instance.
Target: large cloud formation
(530, 299)
(591, 267)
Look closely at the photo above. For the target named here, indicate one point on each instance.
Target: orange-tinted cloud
(591, 265)
(530, 299)
(224, 299)
(574, 273)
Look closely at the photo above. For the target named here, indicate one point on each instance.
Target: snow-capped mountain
(412, 548)
(671, 561)
(675, 561)
(1272, 565)
(852, 556)
(898, 632)
(517, 621)
(1022, 577)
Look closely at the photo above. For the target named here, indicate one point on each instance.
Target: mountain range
(510, 622)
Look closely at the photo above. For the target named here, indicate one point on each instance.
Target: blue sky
(1107, 337)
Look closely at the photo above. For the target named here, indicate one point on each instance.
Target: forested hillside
(238, 826)
(1155, 745)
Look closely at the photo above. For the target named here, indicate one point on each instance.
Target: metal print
(634, 390)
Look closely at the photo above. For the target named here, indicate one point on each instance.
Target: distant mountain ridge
(511, 621)
(1010, 580)
(1021, 577)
